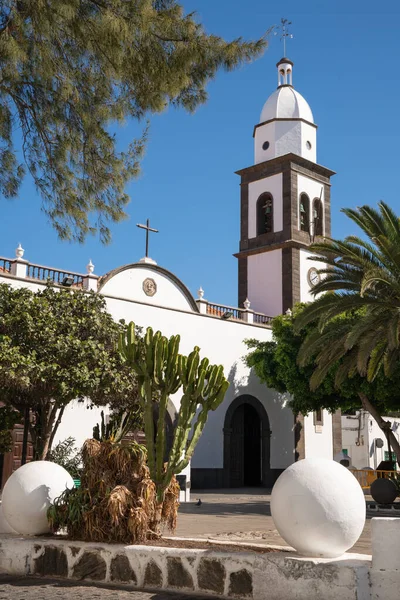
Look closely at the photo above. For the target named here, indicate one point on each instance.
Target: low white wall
(217, 574)
(385, 572)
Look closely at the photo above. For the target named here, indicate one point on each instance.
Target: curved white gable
(128, 283)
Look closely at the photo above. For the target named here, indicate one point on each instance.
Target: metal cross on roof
(148, 229)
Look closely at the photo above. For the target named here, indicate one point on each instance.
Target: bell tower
(284, 203)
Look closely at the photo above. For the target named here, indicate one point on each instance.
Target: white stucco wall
(264, 133)
(264, 275)
(222, 342)
(288, 137)
(78, 422)
(308, 134)
(359, 433)
(285, 137)
(273, 185)
(318, 440)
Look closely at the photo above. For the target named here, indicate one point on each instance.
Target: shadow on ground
(225, 508)
(65, 590)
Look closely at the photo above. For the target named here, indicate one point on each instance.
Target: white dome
(286, 103)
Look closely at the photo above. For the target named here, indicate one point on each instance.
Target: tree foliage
(276, 364)
(361, 276)
(55, 347)
(69, 69)
(8, 418)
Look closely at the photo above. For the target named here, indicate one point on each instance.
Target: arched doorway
(247, 444)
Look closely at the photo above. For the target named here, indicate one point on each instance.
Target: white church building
(284, 206)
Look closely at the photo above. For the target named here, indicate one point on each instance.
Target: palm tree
(357, 317)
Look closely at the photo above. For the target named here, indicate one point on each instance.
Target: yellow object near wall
(366, 476)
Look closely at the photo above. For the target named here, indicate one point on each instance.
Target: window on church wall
(317, 217)
(318, 420)
(304, 213)
(265, 214)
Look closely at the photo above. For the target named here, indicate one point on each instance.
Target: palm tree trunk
(384, 425)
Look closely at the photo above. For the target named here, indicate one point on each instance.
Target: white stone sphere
(5, 527)
(318, 507)
(29, 492)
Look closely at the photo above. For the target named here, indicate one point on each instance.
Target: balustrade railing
(5, 265)
(65, 278)
(260, 319)
(225, 312)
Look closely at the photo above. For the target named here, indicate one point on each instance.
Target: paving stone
(178, 576)
(211, 575)
(32, 588)
(90, 566)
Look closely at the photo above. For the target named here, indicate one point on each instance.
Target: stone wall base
(273, 575)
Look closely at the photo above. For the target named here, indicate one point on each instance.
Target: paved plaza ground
(242, 516)
(18, 588)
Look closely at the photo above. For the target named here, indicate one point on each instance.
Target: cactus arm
(149, 426)
(160, 439)
(197, 431)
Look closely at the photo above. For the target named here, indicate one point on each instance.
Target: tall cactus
(162, 371)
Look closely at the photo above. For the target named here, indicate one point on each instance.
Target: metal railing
(54, 275)
(5, 265)
(261, 319)
(221, 311)
(366, 476)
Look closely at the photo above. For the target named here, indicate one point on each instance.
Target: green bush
(68, 456)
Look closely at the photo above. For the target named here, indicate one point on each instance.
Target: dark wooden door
(252, 447)
(245, 449)
(237, 448)
(12, 460)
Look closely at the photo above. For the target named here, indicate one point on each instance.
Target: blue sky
(346, 58)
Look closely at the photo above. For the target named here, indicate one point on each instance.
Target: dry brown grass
(117, 499)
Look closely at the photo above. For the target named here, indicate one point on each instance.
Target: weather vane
(283, 28)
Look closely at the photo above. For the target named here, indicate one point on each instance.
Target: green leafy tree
(55, 347)
(69, 69)
(8, 418)
(277, 365)
(161, 372)
(356, 314)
